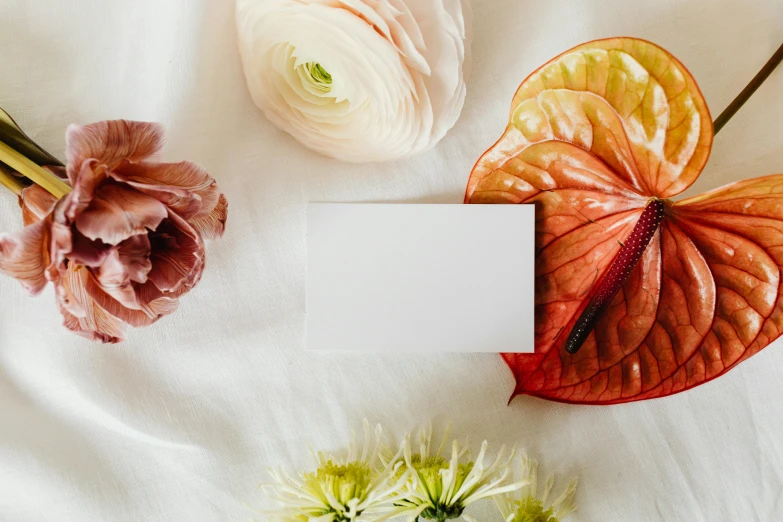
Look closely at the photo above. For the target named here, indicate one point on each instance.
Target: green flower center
(343, 482)
(430, 472)
(319, 76)
(532, 510)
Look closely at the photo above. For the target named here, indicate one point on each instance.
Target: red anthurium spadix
(637, 296)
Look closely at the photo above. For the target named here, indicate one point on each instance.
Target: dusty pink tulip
(127, 241)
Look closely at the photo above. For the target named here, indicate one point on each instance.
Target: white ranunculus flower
(358, 80)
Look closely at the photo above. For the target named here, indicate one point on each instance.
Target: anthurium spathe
(637, 296)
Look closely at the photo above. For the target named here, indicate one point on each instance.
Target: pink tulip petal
(213, 225)
(152, 305)
(184, 187)
(111, 142)
(134, 253)
(118, 212)
(73, 323)
(177, 255)
(112, 277)
(81, 313)
(85, 183)
(24, 255)
(36, 204)
(60, 245)
(154, 302)
(119, 247)
(88, 252)
(68, 289)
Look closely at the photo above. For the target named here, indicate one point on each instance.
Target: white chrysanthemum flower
(358, 80)
(525, 505)
(354, 488)
(439, 488)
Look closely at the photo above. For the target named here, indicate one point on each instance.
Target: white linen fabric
(181, 421)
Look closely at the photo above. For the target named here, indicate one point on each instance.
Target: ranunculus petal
(184, 187)
(358, 80)
(118, 212)
(177, 255)
(36, 204)
(111, 142)
(213, 225)
(24, 255)
(134, 254)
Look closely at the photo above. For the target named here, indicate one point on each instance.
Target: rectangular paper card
(424, 278)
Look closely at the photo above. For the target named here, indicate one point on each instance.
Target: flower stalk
(34, 172)
(748, 91)
(10, 181)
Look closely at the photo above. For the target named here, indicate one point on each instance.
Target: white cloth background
(181, 421)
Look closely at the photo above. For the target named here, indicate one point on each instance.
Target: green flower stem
(35, 173)
(10, 181)
(748, 91)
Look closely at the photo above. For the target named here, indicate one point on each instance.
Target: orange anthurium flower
(637, 296)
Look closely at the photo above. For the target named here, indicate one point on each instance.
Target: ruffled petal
(177, 255)
(134, 254)
(113, 278)
(24, 255)
(36, 204)
(85, 183)
(112, 333)
(68, 243)
(213, 225)
(358, 80)
(111, 142)
(184, 187)
(81, 313)
(152, 304)
(118, 212)
(156, 303)
(88, 252)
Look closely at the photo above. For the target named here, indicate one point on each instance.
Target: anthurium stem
(10, 181)
(34, 172)
(748, 91)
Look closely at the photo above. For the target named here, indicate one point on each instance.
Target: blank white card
(423, 278)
